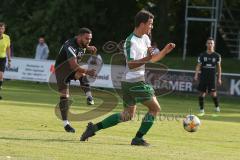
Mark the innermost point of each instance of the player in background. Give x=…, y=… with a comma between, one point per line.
x=4, y=52
x=67, y=68
x=208, y=61
x=138, y=52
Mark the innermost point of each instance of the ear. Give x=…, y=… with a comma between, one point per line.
x=141, y=24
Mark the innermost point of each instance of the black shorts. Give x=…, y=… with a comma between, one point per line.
x=63, y=76
x=2, y=64
x=205, y=86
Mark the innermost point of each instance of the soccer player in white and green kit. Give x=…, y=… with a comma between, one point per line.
x=138, y=52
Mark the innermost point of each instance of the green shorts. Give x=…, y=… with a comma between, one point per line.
x=136, y=92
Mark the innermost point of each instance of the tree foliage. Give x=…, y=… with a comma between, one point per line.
x=109, y=20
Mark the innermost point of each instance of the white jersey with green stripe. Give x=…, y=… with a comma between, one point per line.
x=135, y=48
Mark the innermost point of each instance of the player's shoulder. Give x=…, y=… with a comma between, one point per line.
x=217, y=54
x=130, y=37
x=6, y=36
x=130, y=40
x=70, y=42
x=145, y=36
x=202, y=54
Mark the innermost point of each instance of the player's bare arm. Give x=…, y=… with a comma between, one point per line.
x=167, y=49
x=197, y=70
x=79, y=70
x=150, y=57
x=8, y=51
x=137, y=63
x=219, y=79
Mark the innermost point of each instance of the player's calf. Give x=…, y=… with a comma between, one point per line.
x=64, y=108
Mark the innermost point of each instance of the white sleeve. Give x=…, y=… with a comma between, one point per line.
x=148, y=41
x=130, y=50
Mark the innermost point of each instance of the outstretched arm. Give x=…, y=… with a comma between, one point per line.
x=167, y=49
x=151, y=57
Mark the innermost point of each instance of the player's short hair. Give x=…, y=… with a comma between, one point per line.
x=42, y=36
x=84, y=30
x=142, y=17
x=2, y=24
x=210, y=39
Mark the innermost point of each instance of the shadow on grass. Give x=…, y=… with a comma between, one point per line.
x=63, y=140
x=38, y=139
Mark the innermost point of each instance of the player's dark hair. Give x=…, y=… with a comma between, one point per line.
x=2, y=24
x=84, y=30
x=42, y=36
x=142, y=17
x=210, y=38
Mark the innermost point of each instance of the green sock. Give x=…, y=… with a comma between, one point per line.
x=146, y=124
x=110, y=121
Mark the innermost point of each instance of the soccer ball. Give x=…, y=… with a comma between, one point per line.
x=191, y=123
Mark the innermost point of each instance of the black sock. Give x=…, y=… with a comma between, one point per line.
x=1, y=82
x=216, y=101
x=201, y=102
x=139, y=135
x=98, y=126
x=146, y=124
x=64, y=107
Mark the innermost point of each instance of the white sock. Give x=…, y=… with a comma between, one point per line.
x=66, y=122
x=89, y=94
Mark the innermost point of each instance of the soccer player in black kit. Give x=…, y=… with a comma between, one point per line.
x=67, y=68
x=208, y=62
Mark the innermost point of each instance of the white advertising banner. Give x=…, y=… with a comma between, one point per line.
x=110, y=77
x=29, y=70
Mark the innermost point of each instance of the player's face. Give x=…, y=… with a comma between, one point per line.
x=2, y=30
x=85, y=39
x=41, y=40
x=148, y=26
x=210, y=44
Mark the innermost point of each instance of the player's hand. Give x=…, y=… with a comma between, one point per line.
x=169, y=47
x=196, y=77
x=78, y=75
x=9, y=64
x=150, y=53
x=91, y=72
x=92, y=49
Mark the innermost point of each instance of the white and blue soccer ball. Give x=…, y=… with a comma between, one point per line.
x=191, y=123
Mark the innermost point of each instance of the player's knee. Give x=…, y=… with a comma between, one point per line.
x=213, y=94
x=155, y=110
x=158, y=110
x=127, y=116
x=202, y=95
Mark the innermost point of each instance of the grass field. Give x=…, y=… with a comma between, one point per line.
x=30, y=130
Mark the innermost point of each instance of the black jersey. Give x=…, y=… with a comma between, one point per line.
x=208, y=65
x=69, y=50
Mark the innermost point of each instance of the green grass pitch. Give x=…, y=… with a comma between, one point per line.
x=30, y=130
